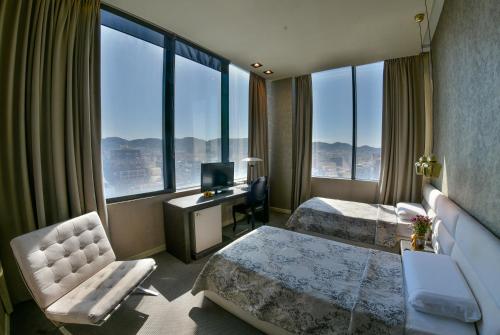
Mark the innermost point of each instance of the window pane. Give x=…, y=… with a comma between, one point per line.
x=369, y=80
x=238, y=119
x=197, y=120
x=332, y=123
x=132, y=109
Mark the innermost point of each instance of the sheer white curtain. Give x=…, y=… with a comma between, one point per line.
x=238, y=119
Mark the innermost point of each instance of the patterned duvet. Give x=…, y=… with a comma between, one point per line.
x=306, y=284
x=356, y=221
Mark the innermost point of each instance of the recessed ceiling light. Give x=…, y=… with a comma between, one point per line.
x=256, y=65
x=268, y=72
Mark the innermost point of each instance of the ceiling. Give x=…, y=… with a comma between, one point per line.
x=292, y=37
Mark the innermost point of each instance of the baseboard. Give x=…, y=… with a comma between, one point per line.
x=149, y=252
x=280, y=210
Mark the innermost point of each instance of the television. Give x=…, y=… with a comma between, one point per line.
x=217, y=176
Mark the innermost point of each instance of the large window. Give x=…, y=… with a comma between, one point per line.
x=197, y=120
x=165, y=109
x=369, y=80
x=238, y=119
x=347, y=122
x=332, y=123
x=132, y=110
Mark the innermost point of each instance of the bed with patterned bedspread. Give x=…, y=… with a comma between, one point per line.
x=368, y=223
x=307, y=284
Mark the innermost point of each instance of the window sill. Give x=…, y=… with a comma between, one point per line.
x=187, y=190
x=178, y=193
x=240, y=181
x=136, y=197
x=325, y=179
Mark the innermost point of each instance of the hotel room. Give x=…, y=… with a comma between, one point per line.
x=250, y=167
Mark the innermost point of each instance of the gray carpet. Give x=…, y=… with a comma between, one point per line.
x=174, y=311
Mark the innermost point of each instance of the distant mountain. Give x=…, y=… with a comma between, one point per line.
x=340, y=146
x=365, y=149
x=337, y=146
x=189, y=144
x=193, y=144
x=111, y=143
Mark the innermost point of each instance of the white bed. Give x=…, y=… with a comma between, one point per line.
x=475, y=250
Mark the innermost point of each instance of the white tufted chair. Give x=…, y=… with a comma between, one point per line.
x=72, y=272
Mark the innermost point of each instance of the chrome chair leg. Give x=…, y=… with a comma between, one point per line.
x=145, y=291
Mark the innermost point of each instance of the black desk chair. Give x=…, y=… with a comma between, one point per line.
x=256, y=201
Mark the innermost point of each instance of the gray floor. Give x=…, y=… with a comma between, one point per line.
x=174, y=311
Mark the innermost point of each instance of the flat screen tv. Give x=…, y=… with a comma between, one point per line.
x=217, y=176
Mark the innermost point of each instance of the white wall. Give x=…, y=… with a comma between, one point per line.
x=345, y=189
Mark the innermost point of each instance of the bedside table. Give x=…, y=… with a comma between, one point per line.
x=406, y=245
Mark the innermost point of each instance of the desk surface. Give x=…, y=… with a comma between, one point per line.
x=198, y=200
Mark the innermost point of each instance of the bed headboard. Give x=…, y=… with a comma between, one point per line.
x=475, y=249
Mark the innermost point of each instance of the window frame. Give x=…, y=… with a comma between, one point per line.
x=140, y=29
x=354, y=131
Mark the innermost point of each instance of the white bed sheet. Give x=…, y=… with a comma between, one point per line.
x=417, y=323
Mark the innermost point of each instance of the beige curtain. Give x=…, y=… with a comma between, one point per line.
x=5, y=304
x=50, y=159
x=302, y=141
x=257, y=125
x=403, y=129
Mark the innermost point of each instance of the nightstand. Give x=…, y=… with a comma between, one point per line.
x=406, y=245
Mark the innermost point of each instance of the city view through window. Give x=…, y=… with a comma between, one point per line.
x=132, y=72
x=131, y=113
x=238, y=120
x=132, y=116
x=333, y=122
x=197, y=120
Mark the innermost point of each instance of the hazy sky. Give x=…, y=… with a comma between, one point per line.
x=132, y=96
x=197, y=100
x=332, y=105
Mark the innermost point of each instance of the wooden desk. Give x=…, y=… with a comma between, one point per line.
x=177, y=218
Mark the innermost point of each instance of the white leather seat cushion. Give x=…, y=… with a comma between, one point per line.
x=93, y=299
x=442, y=240
x=57, y=258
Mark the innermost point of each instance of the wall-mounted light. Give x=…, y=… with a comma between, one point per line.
x=268, y=72
x=428, y=166
x=418, y=19
x=256, y=65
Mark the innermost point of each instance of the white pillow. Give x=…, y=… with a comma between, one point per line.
x=408, y=210
x=436, y=286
